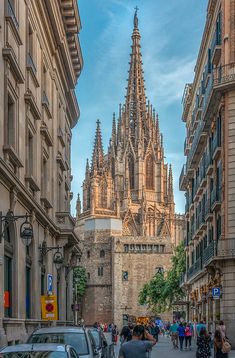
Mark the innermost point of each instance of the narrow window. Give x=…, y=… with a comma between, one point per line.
x=10, y=122
x=149, y=173
x=131, y=167
x=30, y=44
x=100, y=271
x=88, y=254
x=28, y=292
x=102, y=253
x=30, y=151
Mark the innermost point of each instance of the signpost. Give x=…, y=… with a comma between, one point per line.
x=49, y=308
x=216, y=293
x=49, y=284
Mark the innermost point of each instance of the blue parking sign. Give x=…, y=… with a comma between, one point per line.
x=216, y=292
x=49, y=283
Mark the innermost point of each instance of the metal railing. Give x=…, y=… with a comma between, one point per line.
x=215, y=195
x=216, y=142
x=209, y=252
x=224, y=74
x=216, y=41
x=11, y=13
x=196, y=139
x=194, y=269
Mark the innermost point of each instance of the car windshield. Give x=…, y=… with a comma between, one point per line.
x=76, y=340
x=96, y=336
x=43, y=354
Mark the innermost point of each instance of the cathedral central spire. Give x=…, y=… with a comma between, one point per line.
x=135, y=98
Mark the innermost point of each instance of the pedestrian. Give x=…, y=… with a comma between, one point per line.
x=219, y=345
x=114, y=334
x=181, y=334
x=203, y=344
x=199, y=326
x=141, y=343
x=174, y=334
x=222, y=329
x=154, y=330
x=125, y=335
x=188, y=336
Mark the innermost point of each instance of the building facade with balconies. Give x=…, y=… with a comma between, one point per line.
x=40, y=63
x=208, y=176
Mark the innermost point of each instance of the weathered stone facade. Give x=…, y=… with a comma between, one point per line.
x=128, y=226
x=208, y=177
x=40, y=63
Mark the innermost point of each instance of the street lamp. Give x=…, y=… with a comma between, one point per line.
x=58, y=260
x=26, y=228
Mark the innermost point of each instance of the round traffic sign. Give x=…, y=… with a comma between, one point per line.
x=49, y=307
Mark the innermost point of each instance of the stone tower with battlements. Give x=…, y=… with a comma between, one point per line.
x=128, y=226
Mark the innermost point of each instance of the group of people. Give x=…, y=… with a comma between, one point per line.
x=183, y=332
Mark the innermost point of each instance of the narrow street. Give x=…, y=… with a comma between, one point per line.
x=163, y=349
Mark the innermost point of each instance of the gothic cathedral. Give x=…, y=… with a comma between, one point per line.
x=128, y=226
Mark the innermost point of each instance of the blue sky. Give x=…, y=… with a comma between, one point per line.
x=171, y=32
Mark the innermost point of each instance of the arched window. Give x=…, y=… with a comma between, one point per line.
x=149, y=172
x=102, y=253
x=131, y=167
x=88, y=254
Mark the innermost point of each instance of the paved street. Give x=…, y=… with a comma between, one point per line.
x=164, y=349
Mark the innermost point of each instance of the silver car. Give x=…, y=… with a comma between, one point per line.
x=39, y=351
x=76, y=337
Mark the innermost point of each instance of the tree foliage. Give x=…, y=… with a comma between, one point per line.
x=80, y=280
x=163, y=289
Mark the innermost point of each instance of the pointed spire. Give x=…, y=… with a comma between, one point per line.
x=157, y=129
x=114, y=133
x=87, y=169
x=98, y=153
x=170, y=186
x=78, y=206
x=135, y=96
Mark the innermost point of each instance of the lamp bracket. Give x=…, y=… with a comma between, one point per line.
x=8, y=220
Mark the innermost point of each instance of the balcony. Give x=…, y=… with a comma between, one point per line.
x=216, y=47
x=202, y=222
x=216, y=145
x=208, y=211
x=182, y=279
x=208, y=164
x=194, y=269
x=209, y=253
x=197, y=145
x=216, y=198
x=224, y=77
x=186, y=147
x=183, y=179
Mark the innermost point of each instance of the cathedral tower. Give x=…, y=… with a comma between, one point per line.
x=128, y=204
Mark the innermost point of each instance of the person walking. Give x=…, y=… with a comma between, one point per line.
x=203, y=344
x=174, y=334
x=199, y=326
x=222, y=329
x=188, y=336
x=181, y=334
x=218, y=345
x=125, y=335
x=141, y=343
x=114, y=334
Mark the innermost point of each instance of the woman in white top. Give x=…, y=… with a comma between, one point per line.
x=222, y=329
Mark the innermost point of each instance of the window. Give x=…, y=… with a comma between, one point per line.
x=102, y=253
x=42, y=282
x=10, y=125
x=159, y=269
x=30, y=39
x=100, y=271
x=30, y=150
x=124, y=275
x=28, y=292
x=88, y=275
x=162, y=248
x=149, y=171
x=88, y=254
x=126, y=248
x=131, y=168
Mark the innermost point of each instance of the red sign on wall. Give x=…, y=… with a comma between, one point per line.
x=7, y=299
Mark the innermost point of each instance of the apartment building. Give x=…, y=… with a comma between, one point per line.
x=40, y=63
x=208, y=177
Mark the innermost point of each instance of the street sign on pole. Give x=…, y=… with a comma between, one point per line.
x=49, y=284
x=216, y=293
x=49, y=308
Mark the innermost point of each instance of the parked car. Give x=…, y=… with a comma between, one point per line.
x=77, y=337
x=39, y=350
x=104, y=347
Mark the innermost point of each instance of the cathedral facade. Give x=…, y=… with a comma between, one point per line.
x=127, y=226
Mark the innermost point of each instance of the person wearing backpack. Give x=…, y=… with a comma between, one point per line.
x=221, y=346
x=188, y=336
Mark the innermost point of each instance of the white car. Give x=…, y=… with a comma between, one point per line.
x=39, y=350
x=77, y=337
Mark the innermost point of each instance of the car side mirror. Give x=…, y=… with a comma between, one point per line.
x=96, y=352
